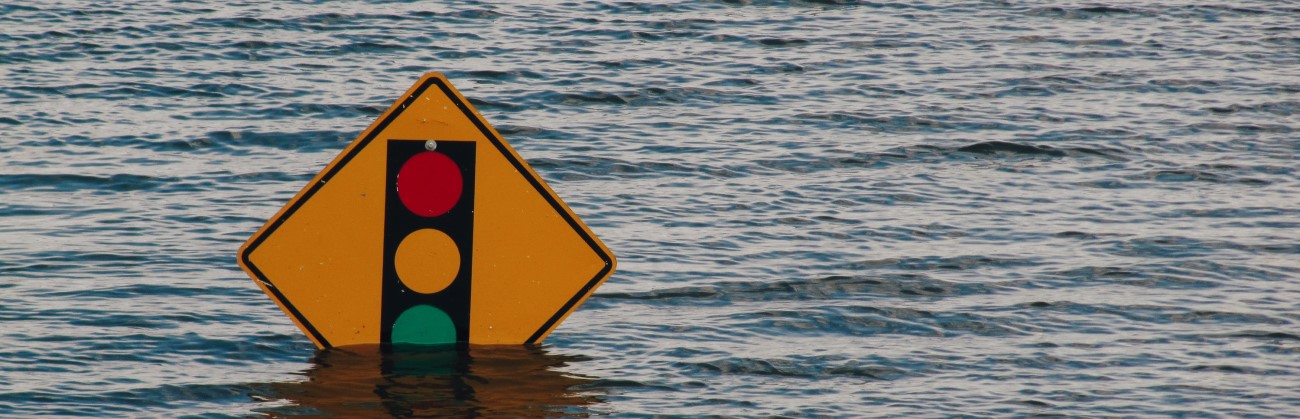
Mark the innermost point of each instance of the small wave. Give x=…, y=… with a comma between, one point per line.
x=996, y=148
x=652, y=96
x=316, y=110
x=303, y=141
x=366, y=47
x=1283, y=40
x=1164, y=247
x=1240, y=369
x=472, y=14
x=502, y=75
x=883, y=123
x=133, y=290
x=922, y=154
x=136, y=90
x=1229, y=9
x=1196, y=175
x=1262, y=335
x=73, y=182
x=803, y=368
x=605, y=168
x=1244, y=128
x=819, y=288
x=781, y=42
x=1158, y=314
x=993, y=147
x=1090, y=12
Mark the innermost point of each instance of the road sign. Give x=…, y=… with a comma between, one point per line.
x=427, y=229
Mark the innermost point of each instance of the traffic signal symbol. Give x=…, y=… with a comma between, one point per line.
x=429, y=183
x=428, y=242
x=427, y=260
x=357, y=257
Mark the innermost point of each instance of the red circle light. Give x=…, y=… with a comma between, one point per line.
x=429, y=184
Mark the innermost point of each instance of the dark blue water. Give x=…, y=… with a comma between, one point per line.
x=819, y=208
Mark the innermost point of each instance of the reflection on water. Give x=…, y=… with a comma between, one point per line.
x=364, y=381
x=836, y=208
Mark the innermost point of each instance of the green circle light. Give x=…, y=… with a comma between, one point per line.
x=423, y=325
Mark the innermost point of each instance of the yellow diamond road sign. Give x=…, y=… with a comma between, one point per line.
x=428, y=229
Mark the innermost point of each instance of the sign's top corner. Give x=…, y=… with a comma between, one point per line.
x=433, y=75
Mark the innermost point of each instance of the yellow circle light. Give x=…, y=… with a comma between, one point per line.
x=427, y=261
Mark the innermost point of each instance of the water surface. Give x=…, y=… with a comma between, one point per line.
x=819, y=208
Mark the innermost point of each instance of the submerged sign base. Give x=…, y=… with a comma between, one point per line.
x=427, y=229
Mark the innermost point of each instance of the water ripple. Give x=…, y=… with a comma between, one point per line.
x=820, y=208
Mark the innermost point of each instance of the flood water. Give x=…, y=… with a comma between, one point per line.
x=819, y=208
